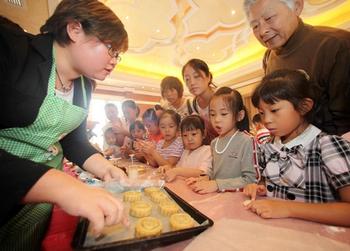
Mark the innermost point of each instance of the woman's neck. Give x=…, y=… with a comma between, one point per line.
x=203, y=100
x=178, y=103
x=63, y=64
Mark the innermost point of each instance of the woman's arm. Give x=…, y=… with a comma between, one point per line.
x=76, y=198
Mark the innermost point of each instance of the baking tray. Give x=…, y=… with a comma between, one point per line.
x=146, y=243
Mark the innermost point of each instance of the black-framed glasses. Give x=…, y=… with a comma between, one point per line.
x=113, y=53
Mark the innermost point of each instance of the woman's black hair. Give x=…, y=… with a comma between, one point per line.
x=199, y=65
x=234, y=102
x=293, y=86
x=174, y=116
x=192, y=122
x=95, y=18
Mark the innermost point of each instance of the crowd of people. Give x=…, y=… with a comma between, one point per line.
x=299, y=152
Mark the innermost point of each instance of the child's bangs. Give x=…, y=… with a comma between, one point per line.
x=188, y=127
x=270, y=93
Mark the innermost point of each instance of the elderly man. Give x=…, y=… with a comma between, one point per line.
x=322, y=52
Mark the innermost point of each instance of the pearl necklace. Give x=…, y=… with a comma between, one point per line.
x=63, y=87
x=228, y=143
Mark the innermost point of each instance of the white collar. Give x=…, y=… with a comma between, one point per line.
x=305, y=138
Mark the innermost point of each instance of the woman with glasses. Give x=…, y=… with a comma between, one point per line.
x=46, y=83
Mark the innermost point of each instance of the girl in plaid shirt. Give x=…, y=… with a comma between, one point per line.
x=305, y=167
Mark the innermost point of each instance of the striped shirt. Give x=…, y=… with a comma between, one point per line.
x=263, y=136
x=175, y=149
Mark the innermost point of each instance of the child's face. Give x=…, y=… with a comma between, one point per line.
x=168, y=128
x=281, y=119
x=221, y=117
x=171, y=95
x=192, y=139
x=197, y=82
x=110, y=138
x=151, y=126
x=138, y=133
x=130, y=114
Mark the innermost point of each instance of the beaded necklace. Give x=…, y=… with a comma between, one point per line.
x=228, y=143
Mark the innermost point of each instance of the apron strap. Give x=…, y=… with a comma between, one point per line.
x=82, y=81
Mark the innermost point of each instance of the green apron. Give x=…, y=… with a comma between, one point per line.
x=39, y=142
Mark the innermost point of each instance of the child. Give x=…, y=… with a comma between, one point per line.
x=131, y=112
x=151, y=122
x=115, y=123
x=307, y=168
x=172, y=91
x=196, y=160
x=112, y=149
x=233, y=160
x=262, y=135
x=168, y=150
x=137, y=132
x=199, y=81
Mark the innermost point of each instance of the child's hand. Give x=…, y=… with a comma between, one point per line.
x=164, y=169
x=252, y=190
x=190, y=181
x=171, y=175
x=203, y=187
x=270, y=208
x=147, y=147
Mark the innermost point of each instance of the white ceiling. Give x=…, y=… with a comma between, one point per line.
x=165, y=34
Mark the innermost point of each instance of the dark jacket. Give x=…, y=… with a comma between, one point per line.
x=324, y=54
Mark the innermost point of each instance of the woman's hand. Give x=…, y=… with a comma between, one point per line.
x=108, y=152
x=203, y=187
x=252, y=190
x=100, y=207
x=97, y=205
x=114, y=173
x=103, y=169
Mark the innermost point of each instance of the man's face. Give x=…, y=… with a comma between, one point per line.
x=273, y=22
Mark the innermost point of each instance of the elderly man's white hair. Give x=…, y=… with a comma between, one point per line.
x=247, y=3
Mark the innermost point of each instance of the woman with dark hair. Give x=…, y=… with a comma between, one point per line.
x=46, y=88
x=199, y=81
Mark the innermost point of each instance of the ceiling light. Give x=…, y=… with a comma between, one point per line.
x=127, y=17
x=157, y=30
x=233, y=12
x=197, y=48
